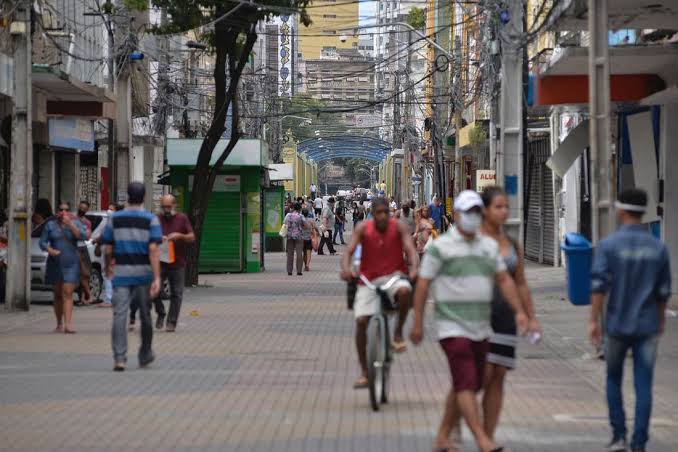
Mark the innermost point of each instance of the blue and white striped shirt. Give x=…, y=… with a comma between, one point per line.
x=130, y=232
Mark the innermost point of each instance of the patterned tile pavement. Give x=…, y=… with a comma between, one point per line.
x=265, y=362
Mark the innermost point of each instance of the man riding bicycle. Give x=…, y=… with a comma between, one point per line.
x=384, y=242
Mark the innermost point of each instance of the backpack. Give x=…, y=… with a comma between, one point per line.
x=294, y=226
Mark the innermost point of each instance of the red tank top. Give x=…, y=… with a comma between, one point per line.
x=382, y=253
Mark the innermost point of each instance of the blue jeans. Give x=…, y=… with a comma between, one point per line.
x=338, y=230
x=123, y=296
x=644, y=357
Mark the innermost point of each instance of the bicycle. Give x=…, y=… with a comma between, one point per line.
x=379, y=353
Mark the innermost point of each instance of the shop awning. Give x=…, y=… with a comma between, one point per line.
x=572, y=15
x=247, y=152
x=571, y=148
x=281, y=171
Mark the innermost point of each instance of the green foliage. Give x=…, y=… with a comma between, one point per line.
x=187, y=15
x=417, y=18
x=139, y=5
x=477, y=135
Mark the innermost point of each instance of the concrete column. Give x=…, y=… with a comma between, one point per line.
x=669, y=138
x=510, y=153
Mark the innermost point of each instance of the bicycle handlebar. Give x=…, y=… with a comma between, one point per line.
x=386, y=286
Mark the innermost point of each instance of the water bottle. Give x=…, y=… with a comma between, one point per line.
x=534, y=337
x=357, y=255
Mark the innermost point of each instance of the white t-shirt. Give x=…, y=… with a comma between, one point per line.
x=393, y=205
x=318, y=203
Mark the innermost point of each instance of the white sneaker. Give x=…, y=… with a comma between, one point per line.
x=618, y=445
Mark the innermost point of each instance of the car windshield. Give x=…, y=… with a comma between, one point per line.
x=95, y=220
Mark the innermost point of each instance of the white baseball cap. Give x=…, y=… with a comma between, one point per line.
x=466, y=200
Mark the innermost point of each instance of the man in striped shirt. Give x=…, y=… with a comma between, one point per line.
x=461, y=268
x=132, y=237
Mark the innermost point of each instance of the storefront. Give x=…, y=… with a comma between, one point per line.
x=232, y=235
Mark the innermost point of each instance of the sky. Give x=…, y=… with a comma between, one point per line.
x=368, y=10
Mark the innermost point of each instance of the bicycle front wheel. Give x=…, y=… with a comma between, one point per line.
x=376, y=357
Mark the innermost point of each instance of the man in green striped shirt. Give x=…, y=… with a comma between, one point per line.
x=461, y=268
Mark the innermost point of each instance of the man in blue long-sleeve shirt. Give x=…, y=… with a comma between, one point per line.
x=633, y=268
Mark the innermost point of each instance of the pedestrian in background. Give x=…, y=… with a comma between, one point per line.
x=310, y=233
x=314, y=190
x=133, y=237
x=295, y=239
x=632, y=267
x=504, y=340
x=318, y=206
x=461, y=267
x=178, y=233
x=436, y=212
x=406, y=216
x=84, y=292
x=339, y=222
x=327, y=221
x=60, y=238
x=97, y=238
x=423, y=232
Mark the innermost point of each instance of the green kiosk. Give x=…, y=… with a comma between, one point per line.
x=232, y=234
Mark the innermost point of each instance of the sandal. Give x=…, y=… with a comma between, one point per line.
x=361, y=383
x=69, y=331
x=399, y=346
x=59, y=329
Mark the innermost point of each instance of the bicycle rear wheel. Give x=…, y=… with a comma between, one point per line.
x=388, y=359
x=375, y=359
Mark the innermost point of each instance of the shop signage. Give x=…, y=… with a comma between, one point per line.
x=71, y=133
x=484, y=179
x=224, y=183
x=285, y=78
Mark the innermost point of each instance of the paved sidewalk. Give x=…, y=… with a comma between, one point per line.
x=266, y=363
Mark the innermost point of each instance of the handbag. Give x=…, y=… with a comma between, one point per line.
x=283, y=230
x=315, y=243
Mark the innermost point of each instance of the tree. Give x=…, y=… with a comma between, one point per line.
x=231, y=41
x=417, y=18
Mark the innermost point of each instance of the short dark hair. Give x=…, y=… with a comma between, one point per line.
x=379, y=202
x=297, y=206
x=84, y=201
x=304, y=212
x=634, y=197
x=331, y=200
x=490, y=193
x=65, y=202
x=136, y=192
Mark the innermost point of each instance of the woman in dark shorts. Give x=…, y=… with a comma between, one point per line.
x=502, y=353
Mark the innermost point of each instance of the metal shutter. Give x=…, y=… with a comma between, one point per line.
x=221, y=247
x=540, y=212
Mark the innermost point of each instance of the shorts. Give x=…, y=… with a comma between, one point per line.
x=366, y=299
x=308, y=245
x=504, y=340
x=466, y=359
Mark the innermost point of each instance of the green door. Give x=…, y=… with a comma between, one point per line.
x=221, y=247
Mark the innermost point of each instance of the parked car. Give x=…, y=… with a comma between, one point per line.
x=39, y=258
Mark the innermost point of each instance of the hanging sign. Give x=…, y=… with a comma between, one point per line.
x=484, y=179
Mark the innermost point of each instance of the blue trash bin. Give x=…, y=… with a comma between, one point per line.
x=578, y=252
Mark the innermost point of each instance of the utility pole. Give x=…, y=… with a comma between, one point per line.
x=510, y=154
x=599, y=106
x=112, y=173
x=18, y=289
